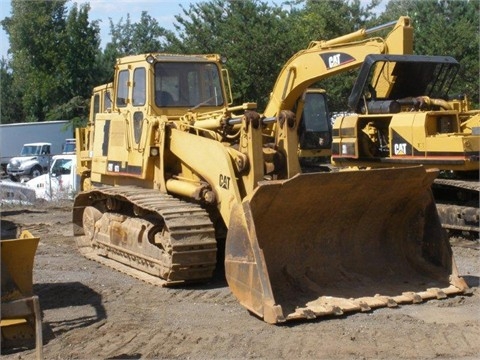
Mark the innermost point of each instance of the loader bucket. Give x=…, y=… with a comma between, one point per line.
x=331, y=243
x=20, y=321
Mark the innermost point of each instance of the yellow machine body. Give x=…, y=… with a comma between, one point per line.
x=415, y=122
x=21, y=320
x=172, y=171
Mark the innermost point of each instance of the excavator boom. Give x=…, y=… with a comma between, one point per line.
x=323, y=59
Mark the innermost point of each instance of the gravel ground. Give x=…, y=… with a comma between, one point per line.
x=93, y=312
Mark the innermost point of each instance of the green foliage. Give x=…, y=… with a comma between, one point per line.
x=324, y=20
x=10, y=100
x=34, y=36
x=55, y=58
x=254, y=37
x=52, y=55
x=82, y=43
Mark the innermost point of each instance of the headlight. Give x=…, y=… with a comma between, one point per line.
x=154, y=151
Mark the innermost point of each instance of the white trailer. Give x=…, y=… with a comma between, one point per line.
x=13, y=136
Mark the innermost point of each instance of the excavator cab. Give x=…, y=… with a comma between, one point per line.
x=404, y=116
x=388, y=83
x=315, y=128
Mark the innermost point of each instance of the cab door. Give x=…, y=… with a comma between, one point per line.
x=137, y=122
x=315, y=128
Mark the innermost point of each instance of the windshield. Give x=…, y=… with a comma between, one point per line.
x=315, y=113
x=69, y=147
x=188, y=84
x=31, y=150
x=62, y=167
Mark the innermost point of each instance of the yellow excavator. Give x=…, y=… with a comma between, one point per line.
x=172, y=171
x=402, y=115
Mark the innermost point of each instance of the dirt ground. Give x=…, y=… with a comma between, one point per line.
x=93, y=312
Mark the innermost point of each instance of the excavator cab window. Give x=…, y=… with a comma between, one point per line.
x=315, y=126
x=107, y=101
x=96, y=104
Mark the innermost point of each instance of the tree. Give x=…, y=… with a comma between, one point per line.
x=324, y=20
x=82, y=47
x=254, y=37
x=134, y=38
x=33, y=42
x=80, y=69
x=51, y=54
x=10, y=100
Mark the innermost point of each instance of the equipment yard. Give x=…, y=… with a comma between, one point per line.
x=93, y=312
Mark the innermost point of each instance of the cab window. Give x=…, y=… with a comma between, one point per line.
x=139, y=87
x=122, y=91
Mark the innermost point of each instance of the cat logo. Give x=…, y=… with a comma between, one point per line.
x=224, y=181
x=400, y=149
x=333, y=61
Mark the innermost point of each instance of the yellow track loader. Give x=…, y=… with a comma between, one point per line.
x=172, y=170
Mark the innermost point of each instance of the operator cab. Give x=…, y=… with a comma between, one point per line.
x=388, y=84
x=314, y=129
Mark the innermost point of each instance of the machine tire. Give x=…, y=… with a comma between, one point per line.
x=36, y=171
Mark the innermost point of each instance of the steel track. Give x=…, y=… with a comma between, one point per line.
x=190, y=254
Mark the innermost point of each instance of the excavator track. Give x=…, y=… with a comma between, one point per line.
x=457, y=204
x=146, y=234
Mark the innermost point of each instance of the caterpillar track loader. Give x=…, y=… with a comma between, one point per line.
x=172, y=171
x=403, y=115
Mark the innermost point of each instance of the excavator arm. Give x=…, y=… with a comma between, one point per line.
x=323, y=59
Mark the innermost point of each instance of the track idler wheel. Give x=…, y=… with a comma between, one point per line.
x=90, y=217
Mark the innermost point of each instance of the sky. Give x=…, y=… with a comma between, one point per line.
x=163, y=11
